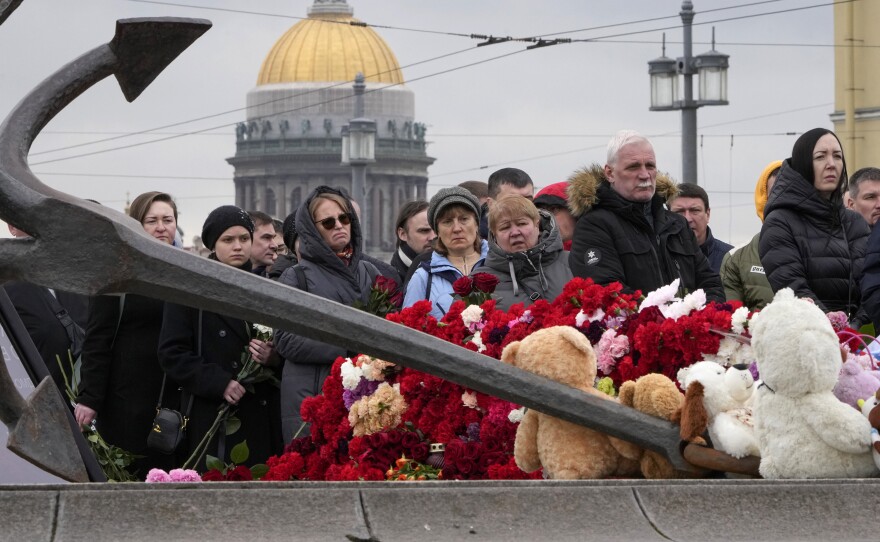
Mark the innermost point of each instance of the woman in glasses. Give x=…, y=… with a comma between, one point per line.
x=330, y=266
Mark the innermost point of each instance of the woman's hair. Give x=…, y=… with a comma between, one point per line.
x=513, y=206
x=802, y=160
x=450, y=211
x=141, y=205
x=339, y=200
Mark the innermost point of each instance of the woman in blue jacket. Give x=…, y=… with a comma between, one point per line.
x=454, y=214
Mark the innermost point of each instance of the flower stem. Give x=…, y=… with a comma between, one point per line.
x=202, y=447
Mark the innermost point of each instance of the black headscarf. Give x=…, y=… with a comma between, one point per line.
x=802, y=160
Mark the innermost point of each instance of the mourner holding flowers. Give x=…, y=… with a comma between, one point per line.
x=454, y=214
x=202, y=351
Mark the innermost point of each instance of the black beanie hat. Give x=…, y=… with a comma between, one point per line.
x=220, y=220
x=288, y=231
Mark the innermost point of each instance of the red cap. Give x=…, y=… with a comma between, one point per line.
x=553, y=195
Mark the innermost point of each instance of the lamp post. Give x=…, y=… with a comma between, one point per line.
x=710, y=67
x=359, y=149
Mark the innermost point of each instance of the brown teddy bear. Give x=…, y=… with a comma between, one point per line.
x=658, y=396
x=566, y=451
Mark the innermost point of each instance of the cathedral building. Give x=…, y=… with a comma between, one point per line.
x=291, y=141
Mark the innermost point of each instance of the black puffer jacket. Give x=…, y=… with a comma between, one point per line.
x=307, y=362
x=813, y=246
x=538, y=273
x=613, y=241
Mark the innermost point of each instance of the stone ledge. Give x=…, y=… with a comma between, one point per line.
x=699, y=510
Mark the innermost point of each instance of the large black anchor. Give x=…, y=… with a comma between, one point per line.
x=121, y=257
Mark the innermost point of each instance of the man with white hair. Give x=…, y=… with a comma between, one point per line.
x=624, y=231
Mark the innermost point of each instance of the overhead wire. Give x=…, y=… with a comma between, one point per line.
x=346, y=83
x=367, y=91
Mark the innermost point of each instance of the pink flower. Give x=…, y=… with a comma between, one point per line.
x=158, y=476
x=181, y=475
x=610, y=348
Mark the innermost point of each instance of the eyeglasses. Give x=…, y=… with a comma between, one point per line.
x=330, y=222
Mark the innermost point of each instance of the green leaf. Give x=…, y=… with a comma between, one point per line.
x=239, y=453
x=213, y=463
x=233, y=424
x=259, y=470
x=93, y=438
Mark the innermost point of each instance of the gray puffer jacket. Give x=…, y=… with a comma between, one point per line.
x=307, y=362
x=538, y=273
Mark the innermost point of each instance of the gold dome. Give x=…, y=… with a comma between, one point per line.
x=316, y=50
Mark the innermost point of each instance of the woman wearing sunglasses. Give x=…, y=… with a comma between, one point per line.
x=331, y=266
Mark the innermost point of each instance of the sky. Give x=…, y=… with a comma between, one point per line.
x=548, y=111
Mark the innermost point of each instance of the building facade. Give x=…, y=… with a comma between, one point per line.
x=291, y=141
x=856, y=114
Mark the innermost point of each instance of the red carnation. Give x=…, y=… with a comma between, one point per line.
x=213, y=475
x=239, y=474
x=463, y=286
x=485, y=282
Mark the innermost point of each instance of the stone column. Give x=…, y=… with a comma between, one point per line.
x=248, y=194
x=260, y=203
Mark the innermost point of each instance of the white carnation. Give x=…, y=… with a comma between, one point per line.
x=661, y=296
x=351, y=375
x=471, y=315
x=477, y=340
x=516, y=415
x=739, y=319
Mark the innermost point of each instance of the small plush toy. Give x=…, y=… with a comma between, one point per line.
x=854, y=383
x=802, y=429
x=717, y=399
x=565, y=450
x=871, y=409
x=658, y=396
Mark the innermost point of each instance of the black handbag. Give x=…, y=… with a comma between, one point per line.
x=169, y=428
x=169, y=425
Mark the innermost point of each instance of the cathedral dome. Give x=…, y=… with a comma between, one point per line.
x=325, y=48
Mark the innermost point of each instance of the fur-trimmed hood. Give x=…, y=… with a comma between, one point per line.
x=583, y=186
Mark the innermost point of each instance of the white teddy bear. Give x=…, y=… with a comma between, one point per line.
x=803, y=430
x=717, y=399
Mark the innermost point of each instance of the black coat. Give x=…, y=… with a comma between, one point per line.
x=813, y=246
x=614, y=242
x=121, y=376
x=207, y=375
x=402, y=254
x=715, y=250
x=32, y=303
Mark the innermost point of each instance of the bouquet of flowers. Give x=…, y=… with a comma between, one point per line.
x=250, y=373
x=385, y=298
x=476, y=289
x=114, y=460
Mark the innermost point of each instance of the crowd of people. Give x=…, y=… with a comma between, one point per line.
x=620, y=222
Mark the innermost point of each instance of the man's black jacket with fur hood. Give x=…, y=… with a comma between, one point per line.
x=614, y=242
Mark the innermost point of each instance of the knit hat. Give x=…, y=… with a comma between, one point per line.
x=453, y=195
x=220, y=220
x=553, y=195
x=288, y=231
x=761, y=194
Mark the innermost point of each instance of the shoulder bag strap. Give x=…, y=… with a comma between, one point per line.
x=75, y=334
x=189, y=403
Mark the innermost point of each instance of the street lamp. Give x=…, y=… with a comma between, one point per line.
x=359, y=149
x=710, y=67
